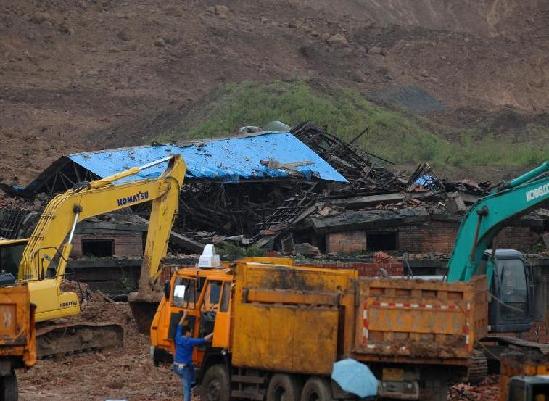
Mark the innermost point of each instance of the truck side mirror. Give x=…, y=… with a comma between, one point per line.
x=167, y=289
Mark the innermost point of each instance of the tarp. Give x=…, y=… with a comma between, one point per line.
x=229, y=160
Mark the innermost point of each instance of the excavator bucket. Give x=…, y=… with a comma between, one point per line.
x=143, y=313
x=143, y=305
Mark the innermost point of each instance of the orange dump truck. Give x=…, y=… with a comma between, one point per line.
x=278, y=330
x=17, y=337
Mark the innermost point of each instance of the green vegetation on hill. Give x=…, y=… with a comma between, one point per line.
x=392, y=134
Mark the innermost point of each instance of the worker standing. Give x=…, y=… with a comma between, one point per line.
x=183, y=364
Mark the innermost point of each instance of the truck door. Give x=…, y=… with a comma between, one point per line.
x=185, y=295
x=215, y=312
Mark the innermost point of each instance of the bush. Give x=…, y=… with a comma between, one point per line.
x=392, y=134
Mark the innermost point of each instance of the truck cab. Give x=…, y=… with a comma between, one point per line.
x=205, y=295
x=511, y=304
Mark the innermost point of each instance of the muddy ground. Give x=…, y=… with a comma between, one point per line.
x=117, y=374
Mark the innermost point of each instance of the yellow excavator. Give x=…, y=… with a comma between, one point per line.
x=44, y=258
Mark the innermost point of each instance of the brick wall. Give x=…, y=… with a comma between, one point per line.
x=435, y=236
x=393, y=267
x=346, y=242
x=520, y=238
x=126, y=244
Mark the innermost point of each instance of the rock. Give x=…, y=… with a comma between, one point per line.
x=171, y=41
x=424, y=74
x=292, y=25
x=160, y=42
x=376, y=50
x=221, y=11
x=337, y=39
x=40, y=17
x=66, y=29
x=123, y=35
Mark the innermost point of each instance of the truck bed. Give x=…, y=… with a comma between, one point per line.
x=303, y=319
x=419, y=320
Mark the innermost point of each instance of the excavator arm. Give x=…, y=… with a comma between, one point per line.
x=45, y=257
x=489, y=215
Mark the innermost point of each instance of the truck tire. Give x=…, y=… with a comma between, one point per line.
x=8, y=388
x=215, y=385
x=316, y=389
x=434, y=390
x=283, y=387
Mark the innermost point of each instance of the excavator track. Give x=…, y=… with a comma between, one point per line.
x=69, y=338
x=478, y=367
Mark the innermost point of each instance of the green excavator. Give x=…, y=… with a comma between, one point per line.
x=509, y=277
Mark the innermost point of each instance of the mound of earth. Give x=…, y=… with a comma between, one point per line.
x=83, y=75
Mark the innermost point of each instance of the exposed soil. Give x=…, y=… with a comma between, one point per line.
x=82, y=75
x=121, y=374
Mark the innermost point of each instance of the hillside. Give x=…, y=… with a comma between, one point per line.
x=82, y=75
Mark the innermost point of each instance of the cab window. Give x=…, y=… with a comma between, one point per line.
x=212, y=296
x=184, y=292
x=226, y=297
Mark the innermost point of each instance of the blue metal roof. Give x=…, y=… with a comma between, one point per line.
x=229, y=160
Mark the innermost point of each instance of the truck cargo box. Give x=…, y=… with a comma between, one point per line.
x=17, y=330
x=414, y=319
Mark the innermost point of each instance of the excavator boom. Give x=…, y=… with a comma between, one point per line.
x=489, y=215
x=44, y=259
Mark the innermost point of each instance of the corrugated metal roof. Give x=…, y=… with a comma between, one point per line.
x=229, y=160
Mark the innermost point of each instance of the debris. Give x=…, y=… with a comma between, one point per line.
x=306, y=249
x=277, y=204
x=455, y=203
x=337, y=39
x=219, y=10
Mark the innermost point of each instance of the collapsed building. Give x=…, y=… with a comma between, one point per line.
x=303, y=192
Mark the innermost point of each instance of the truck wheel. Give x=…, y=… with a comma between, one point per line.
x=215, y=384
x=283, y=387
x=434, y=390
x=8, y=388
x=316, y=389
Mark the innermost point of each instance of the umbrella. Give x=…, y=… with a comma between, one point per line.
x=355, y=377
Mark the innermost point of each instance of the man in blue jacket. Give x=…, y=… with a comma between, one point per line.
x=183, y=363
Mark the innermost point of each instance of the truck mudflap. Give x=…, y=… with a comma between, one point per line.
x=420, y=320
x=71, y=338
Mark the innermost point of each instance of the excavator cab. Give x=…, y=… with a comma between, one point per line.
x=511, y=304
x=10, y=255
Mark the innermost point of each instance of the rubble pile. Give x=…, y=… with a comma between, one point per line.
x=487, y=390
x=366, y=172
x=278, y=214
x=275, y=215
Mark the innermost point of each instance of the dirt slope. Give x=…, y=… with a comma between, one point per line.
x=82, y=75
